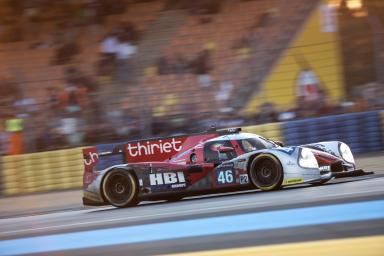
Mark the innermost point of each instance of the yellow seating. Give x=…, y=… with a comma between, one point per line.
x=43, y=171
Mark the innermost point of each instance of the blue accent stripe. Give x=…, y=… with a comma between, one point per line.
x=358, y=211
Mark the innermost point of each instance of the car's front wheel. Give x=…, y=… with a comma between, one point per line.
x=120, y=188
x=266, y=172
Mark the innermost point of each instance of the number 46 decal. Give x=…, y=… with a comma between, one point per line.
x=225, y=177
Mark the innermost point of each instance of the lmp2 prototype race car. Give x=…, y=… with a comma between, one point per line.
x=171, y=168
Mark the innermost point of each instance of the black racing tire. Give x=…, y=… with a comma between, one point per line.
x=120, y=188
x=266, y=172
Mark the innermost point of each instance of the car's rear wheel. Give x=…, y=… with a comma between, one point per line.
x=120, y=188
x=266, y=172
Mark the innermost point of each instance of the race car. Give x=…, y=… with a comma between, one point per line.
x=171, y=168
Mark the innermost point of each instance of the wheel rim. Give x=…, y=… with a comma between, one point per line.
x=266, y=174
x=119, y=188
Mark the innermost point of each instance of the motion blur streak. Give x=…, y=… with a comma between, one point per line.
x=368, y=246
x=327, y=214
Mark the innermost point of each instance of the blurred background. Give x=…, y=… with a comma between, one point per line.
x=75, y=73
x=84, y=72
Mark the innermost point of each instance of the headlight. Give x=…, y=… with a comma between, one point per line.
x=346, y=153
x=307, y=159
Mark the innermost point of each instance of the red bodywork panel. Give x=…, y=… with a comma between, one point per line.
x=160, y=150
x=324, y=158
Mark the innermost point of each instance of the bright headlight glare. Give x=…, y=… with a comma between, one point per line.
x=307, y=159
x=346, y=153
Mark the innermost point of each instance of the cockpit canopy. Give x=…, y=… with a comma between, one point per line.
x=244, y=142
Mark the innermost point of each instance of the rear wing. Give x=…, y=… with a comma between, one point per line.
x=148, y=150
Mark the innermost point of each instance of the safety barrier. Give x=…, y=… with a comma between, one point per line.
x=62, y=169
x=361, y=131
x=45, y=171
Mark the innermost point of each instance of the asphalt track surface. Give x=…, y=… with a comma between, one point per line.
x=331, y=202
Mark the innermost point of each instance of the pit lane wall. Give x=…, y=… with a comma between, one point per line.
x=62, y=169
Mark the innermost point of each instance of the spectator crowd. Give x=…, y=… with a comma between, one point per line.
x=78, y=112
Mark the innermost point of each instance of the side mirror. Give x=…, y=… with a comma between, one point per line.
x=193, y=158
x=223, y=149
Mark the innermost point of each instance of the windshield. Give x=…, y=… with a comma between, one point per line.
x=269, y=143
x=252, y=144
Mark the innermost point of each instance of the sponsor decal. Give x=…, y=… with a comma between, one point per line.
x=165, y=178
x=153, y=147
x=244, y=179
x=233, y=130
x=226, y=165
x=287, y=150
x=161, y=149
x=325, y=168
x=240, y=164
x=225, y=173
x=90, y=158
x=225, y=176
x=290, y=163
x=180, y=185
x=293, y=181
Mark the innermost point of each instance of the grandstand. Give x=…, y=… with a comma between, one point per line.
x=194, y=62
x=222, y=32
